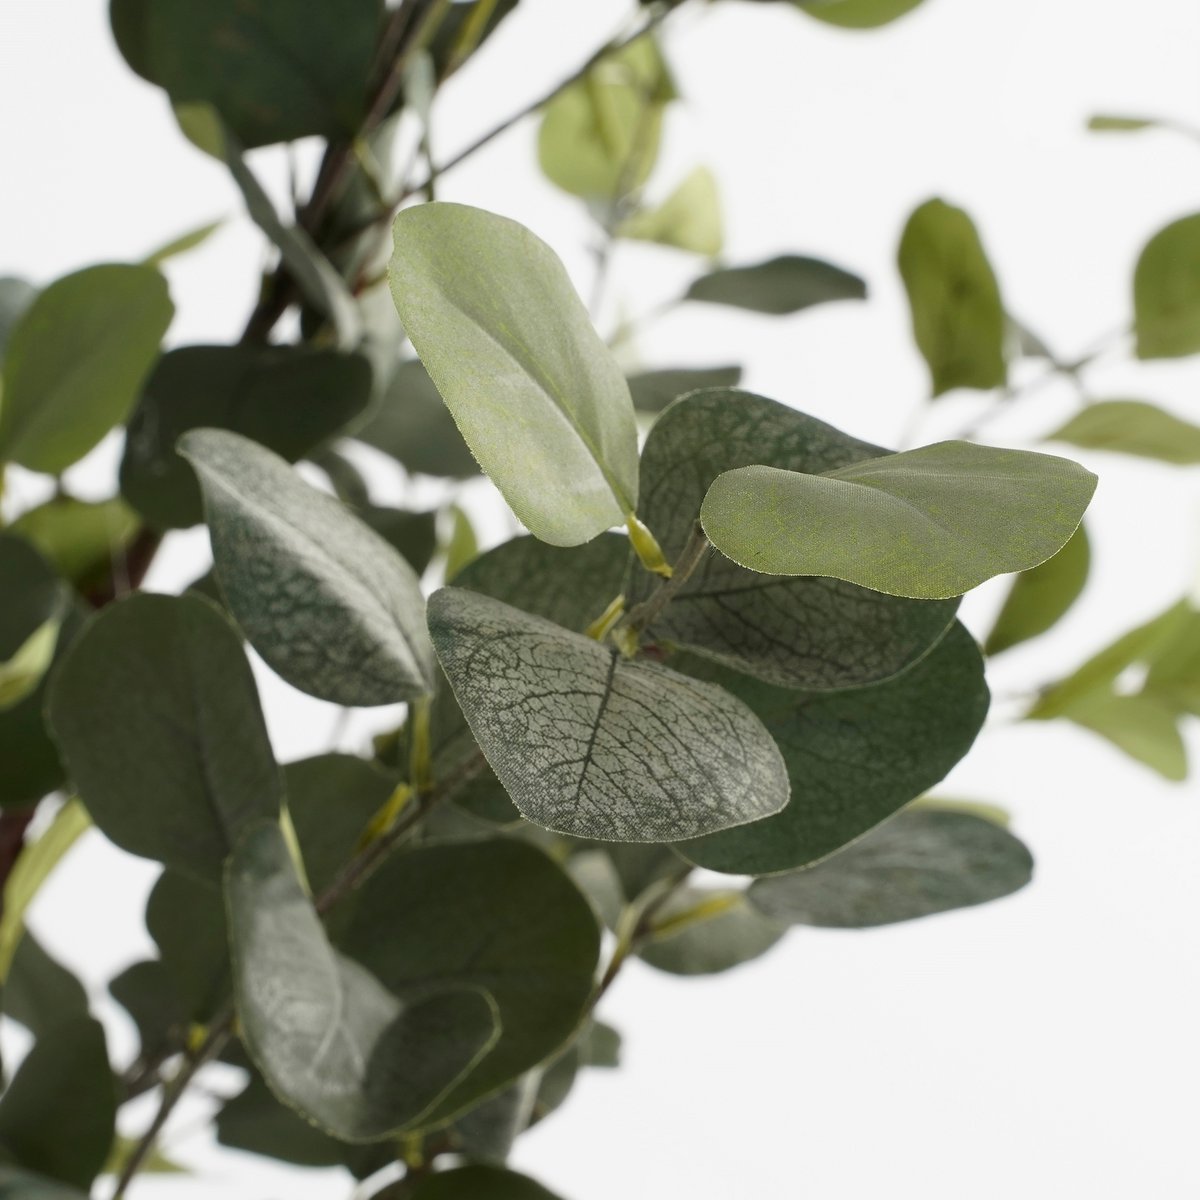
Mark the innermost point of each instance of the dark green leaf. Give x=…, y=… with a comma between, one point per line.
x=921, y=862
x=258, y=1123
x=778, y=286
x=1039, y=597
x=538, y=396
x=40, y=992
x=1133, y=427
x=412, y=534
x=857, y=14
x=957, y=315
x=815, y=633
x=329, y=1038
x=57, y=406
x=486, y=1133
x=479, y=1183
x=599, y=137
x=290, y=399
x=16, y=295
x=275, y=70
x=83, y=540
x=589, y=744
x=187, y=922
x=56, y=1118
x=1166, y=292
x=145, y=991
x=413, y=425
x=157, y=715
x=327, y=602
x=700, y=931
x=926, y=523
x=35, y=600
x=854, y=757
x=431, y=917
x=652, y=391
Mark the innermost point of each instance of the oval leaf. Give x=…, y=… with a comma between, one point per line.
x=538, y=396
x=589, y=744
x=811, y=633
x=857, y=14
x=921, y=862
x=652, y=391
x=492, y=915
x=957, y=315
x=778, y=286
x=854, y=757
x=329, y=1038
x=58, y=405
x=927, y=523
x=158, y=719
x=1133, y=427
x=700, y=931
x=1166, y=292
x=324, y=599
x=688, y=219
x=480, y=1183
x=290, y=399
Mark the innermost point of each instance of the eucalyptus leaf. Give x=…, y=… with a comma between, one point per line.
x=82, y=539
x=21, y=674
x=186, y=919
x=927, y=523
x=1166, y=292
x=1173, y=676
x=479, y=1182
x=58, y=406
x=778, y=286
x=854, y=757
x=39, y=992
x=184, y=243
x=275, y=71
x=414, y=426
x=1108, y=123
x=538, y=396
x=496, y=915
x=589, y=744
x=291, y=399
x=16, y=295
x=57, y=1116
x=486, y=1133
x=157, y=715
x=652, y=391
x=462, y=546
x=812, y=633
x=412, y=534
x=145, y=991
x=1041, y=596
x=688, y=219
x=327, y=602
x=599, y=136
x=1143, y=726
x=919, y=863
x=329, y=1038
x=857, y=14
x=1133, y=427
x=957, y=315
x=703, y=931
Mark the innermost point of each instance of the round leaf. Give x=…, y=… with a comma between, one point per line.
x=1166, y=292
x=480, y=1183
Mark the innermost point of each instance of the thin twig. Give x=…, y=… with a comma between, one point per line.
x=642, y=616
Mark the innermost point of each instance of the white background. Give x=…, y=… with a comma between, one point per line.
x=1042, y=1047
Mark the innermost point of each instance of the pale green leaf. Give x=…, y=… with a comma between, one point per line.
x=1041, y=596
x=857, y=14
x=1174, y=672
x=778, y=286
x=702, y=931
x=193, y=239
x=926, y=523
x=157, y=715
x=854, y=757
x=83, y=540
x=496, y=915
x=1166, y=292
x=814, y=633
x=589, y=744
x=21, y=673
x=957, y=316
x=538, y=396
x=688, y=219
x=599, y=137
x=57, y=404
x=1133, y=427
x=919, y=863
x=325, y=600
x=329, y=1038
x=1109, y=123
x=462, y=546
x=1144, y=726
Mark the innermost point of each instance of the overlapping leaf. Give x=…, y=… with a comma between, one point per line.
x=652, y=391
x=325, y=600
x=157, y=715
x=80, y=538
x=703, y=931
x=928, y=523
x=538, y=396
x=329, y=1038
x=854, y=757
x=814, y=633
x=290, y=399
x=58, y=405
x=921, y=862
x=587, y=743
x=497, y=915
